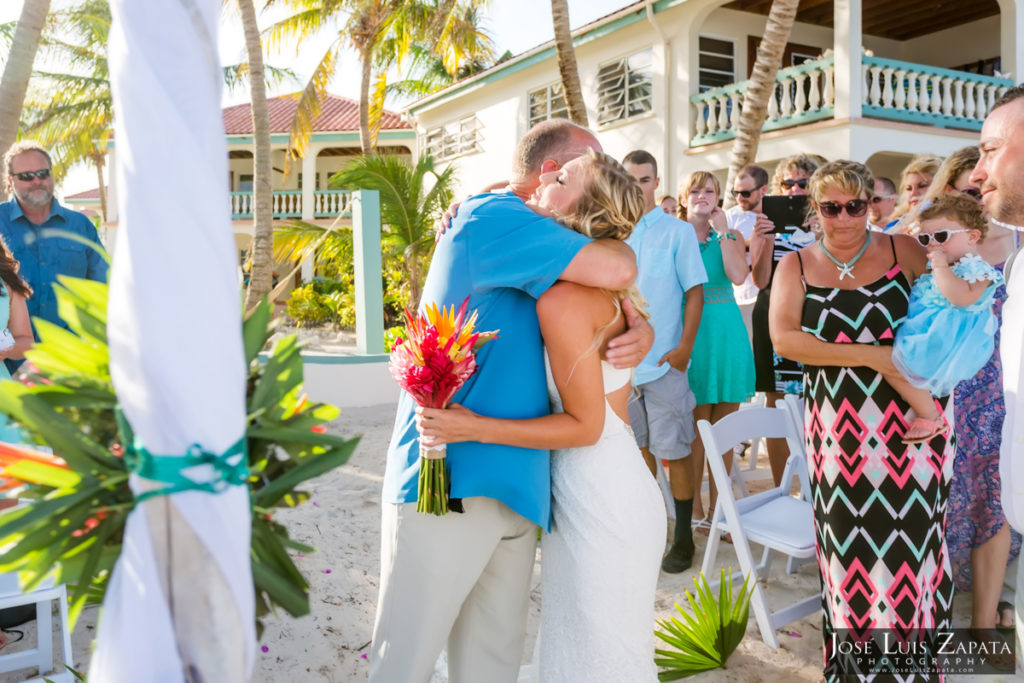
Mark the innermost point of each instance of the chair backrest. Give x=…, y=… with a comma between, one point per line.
x=754, y=423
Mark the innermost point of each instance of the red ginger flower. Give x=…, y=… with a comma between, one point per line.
x=438, y=356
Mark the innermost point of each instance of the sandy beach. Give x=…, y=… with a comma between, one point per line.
x=342, y=521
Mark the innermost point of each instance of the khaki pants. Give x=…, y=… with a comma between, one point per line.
x=462, y=577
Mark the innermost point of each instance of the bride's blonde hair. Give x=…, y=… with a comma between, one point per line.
x=611, y=206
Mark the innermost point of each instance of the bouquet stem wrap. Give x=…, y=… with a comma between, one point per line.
x=431, y=363
x=433, y=482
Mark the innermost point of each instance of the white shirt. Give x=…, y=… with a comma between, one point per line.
x=743, y=222
x=1011, y=455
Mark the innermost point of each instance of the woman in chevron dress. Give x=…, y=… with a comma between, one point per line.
x=878, y=503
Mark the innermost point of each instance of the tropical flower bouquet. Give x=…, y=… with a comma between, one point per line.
x=432, y=363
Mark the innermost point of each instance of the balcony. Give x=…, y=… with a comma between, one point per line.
x=893, y=90
x=288, y=204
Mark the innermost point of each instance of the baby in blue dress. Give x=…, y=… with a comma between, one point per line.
x=947, y=336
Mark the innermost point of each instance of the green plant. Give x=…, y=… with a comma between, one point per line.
x=75, y=525
x=306, y=307
x=704, y=640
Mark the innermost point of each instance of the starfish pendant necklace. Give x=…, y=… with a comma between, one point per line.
x=845, y=268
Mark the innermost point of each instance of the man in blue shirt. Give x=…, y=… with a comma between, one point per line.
x=671, y=274
x=24, y=224
x=464, y=578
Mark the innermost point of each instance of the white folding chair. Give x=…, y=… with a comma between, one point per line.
x=749, y=471
x=41, y=656
x=772, y=518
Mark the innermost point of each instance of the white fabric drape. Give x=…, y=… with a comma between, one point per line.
x=1011, y=456
x=177, y=359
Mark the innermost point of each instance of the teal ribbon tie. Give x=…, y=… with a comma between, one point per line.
x=167, y=469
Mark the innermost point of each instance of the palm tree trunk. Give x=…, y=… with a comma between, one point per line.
x=14, y=83
x=762, y=84
x=365, y=142
x=99, y=161
x=567, y=63
x=262, y=275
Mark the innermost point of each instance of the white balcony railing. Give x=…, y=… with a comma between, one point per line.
x=288, y=204
x=917, y=93
x=805, y=93
x=893, y=90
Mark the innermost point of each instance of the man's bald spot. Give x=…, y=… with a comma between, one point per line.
x=559, y=140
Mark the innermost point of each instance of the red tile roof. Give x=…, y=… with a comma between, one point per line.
x=94, y=193
x=336, y=114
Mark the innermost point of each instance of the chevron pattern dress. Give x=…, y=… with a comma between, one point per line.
x=878, y=503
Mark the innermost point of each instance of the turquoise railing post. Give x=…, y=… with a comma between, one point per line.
x=369, y=272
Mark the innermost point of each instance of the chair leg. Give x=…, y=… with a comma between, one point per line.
x=711, y=550
x=666, y=490
x=65, y=630
x=44, y=636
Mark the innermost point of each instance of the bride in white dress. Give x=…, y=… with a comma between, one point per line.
x=600, y=563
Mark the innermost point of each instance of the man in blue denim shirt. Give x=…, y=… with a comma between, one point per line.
x=25, y=221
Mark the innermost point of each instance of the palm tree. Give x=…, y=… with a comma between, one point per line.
x=18, y=70
x=261, y=278
x=71, y=113
x=762, y=83
x=409, y=210
x=382, y=32
x=567, y=63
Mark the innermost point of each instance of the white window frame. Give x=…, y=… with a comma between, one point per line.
x=616, y=87
x=454, y=139
x=549, y=98
x=725, y=39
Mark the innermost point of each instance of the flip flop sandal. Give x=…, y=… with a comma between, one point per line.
x=702, y=525
x=1002, y=607
x=932, y=429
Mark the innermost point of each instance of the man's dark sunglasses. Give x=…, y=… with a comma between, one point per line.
x=972, y=192
x=878, y=199
x=855, y=208
x=746, y=193
x=26, y=176
x=788, y=184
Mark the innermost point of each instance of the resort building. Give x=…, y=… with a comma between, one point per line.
x=876, y=82
x=301, y=188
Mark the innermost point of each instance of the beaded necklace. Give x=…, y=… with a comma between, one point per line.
x=844, y=268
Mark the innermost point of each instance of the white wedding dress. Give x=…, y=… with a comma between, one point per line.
x=600, y=562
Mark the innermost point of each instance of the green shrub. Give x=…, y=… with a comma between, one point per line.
x=306, y=307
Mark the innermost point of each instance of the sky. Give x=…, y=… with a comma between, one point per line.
x=515, y=25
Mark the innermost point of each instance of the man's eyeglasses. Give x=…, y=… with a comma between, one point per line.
x=855, y=208
x=746, y=193
x=26, y=176
x=878, y=199
x=972, y=192
x=940, y=236
x=788, y=184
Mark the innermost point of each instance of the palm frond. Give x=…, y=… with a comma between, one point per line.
x=309, y=105
x=705, y=639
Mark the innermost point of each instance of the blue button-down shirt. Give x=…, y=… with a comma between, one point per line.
x=44, y=257
x=669, y=263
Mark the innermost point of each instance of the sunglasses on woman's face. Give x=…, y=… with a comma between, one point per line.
x=940, y=236
x=855, y=208
x=788, y=184
x=746, y=193
x=26, y=176
x=972, y=192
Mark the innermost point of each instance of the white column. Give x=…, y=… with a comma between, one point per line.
x=308, y=188
x=1011, y=37
x=308, y=181
x=849, y=77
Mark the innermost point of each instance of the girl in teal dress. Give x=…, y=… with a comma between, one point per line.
x=721, y=370
x=948, y=334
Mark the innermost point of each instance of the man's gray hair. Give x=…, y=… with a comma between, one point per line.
x=17, y=149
